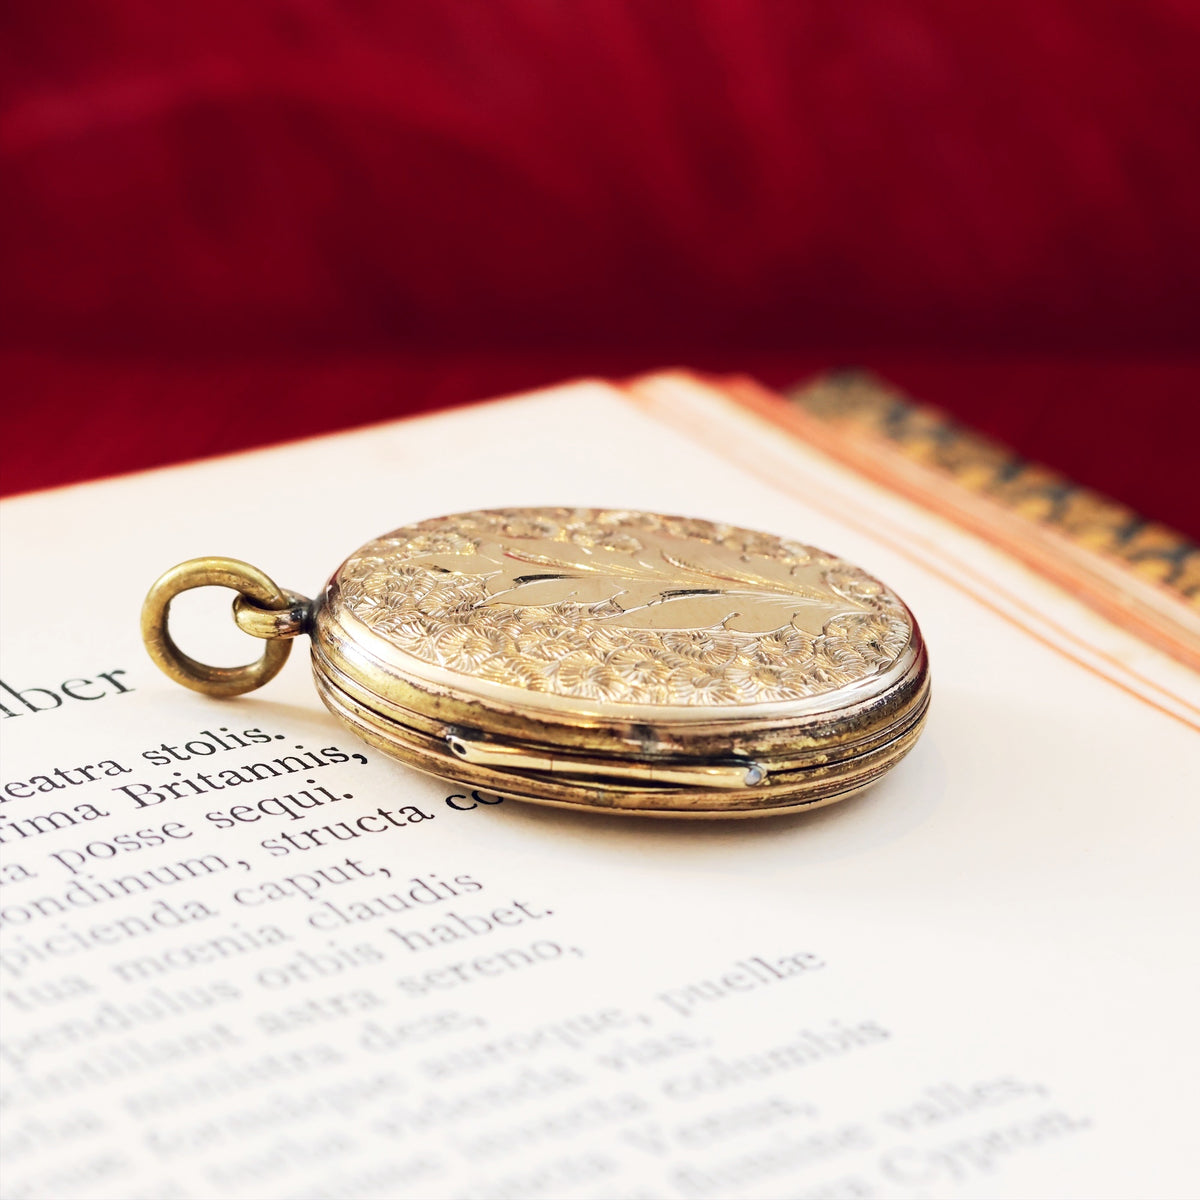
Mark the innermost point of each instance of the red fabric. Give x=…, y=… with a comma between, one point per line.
x=343, y=211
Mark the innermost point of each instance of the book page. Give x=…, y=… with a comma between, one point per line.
x=977, y=979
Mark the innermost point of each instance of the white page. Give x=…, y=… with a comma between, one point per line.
x=976, y=980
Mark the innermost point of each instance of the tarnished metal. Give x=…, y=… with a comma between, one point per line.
x=261, y=622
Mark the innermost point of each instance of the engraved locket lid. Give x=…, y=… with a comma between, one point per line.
x=621, y=659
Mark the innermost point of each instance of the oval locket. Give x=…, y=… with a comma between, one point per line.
x=594, y=658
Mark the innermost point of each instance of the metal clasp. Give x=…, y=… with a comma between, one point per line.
x=713, y=775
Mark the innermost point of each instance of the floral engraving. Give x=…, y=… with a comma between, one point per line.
x=625, y=607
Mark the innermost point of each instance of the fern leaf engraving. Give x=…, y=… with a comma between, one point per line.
x=657, y=586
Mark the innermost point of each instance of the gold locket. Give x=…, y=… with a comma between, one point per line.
x=594, y=658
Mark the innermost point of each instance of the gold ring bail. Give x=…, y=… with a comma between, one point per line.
x=262, y=609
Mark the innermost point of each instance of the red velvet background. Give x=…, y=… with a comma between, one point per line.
x=222, y=223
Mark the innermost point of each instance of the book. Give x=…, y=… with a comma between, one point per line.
x=976, y=979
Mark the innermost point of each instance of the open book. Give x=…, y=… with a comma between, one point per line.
x=977, y=979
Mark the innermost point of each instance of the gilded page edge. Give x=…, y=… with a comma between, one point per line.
x=1139, y=575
